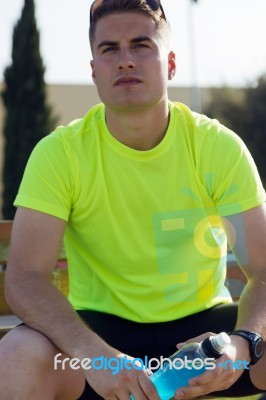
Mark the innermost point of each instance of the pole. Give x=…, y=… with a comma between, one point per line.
x=195, y=90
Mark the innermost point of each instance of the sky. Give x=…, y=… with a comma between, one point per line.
x=217, y=42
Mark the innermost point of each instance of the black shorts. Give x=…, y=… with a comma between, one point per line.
x=159, y=339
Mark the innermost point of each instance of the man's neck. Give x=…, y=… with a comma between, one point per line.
x=142, y=129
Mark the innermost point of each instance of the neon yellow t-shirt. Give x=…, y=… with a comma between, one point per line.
x=143, y=238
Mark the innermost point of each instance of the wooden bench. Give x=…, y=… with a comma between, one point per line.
x=235, y=277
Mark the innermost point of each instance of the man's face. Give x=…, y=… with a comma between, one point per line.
x=131, y=63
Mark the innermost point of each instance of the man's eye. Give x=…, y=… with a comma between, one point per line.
x=109, y=49
x=141, y=45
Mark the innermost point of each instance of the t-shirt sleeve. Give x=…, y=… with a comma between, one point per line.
x=234, y=184
x=46, y=184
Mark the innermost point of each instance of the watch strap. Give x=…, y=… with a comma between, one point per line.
x=252, y=338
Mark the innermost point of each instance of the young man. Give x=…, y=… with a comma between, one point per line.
x=143, y=190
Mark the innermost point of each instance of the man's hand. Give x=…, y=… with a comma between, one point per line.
x=120, y=383
x=223, y=376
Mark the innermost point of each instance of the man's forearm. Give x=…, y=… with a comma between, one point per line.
x=252, y=305
x=43, y=307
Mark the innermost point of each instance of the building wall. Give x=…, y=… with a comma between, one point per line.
x=73, y=101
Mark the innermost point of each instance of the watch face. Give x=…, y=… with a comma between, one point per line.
x=256, y=344
x=259, y=348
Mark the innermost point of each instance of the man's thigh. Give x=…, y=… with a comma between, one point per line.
x=153, y=338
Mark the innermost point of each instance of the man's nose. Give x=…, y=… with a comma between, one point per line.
x=126, y=60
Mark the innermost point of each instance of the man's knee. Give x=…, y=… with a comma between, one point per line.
x=27, y=357
x=24, y=346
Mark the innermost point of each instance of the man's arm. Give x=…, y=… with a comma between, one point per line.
x=246, y=234
x=35, y=245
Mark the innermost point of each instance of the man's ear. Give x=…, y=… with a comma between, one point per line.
x=171, y=65
x=92, y=70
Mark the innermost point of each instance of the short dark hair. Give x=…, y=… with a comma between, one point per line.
x=150, y=8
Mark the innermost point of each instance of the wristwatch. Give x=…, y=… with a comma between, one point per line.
x=256, y=344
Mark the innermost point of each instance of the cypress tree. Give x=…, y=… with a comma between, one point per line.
x=28, y=117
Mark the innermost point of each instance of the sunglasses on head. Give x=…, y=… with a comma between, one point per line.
x=154, y=5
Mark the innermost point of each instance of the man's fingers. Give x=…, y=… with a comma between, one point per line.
x=203, y=385
x=196, y=339
x=148, y=387
x=207, y=377
x=191, y=392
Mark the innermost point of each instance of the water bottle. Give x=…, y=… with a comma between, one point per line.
x=190, y=361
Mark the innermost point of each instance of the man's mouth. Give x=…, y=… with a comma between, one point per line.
x=129, y=80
